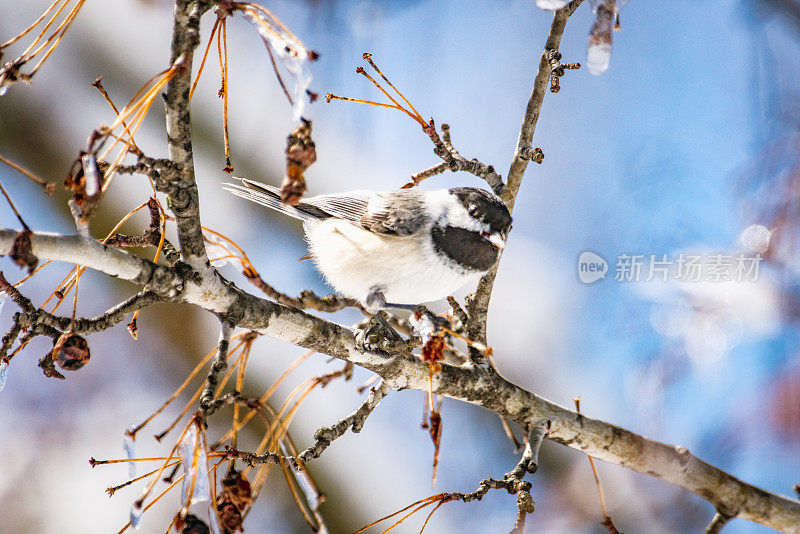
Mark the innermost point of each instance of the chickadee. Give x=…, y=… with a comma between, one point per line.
x=396, y=249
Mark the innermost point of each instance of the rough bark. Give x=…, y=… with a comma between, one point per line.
x=476, y=385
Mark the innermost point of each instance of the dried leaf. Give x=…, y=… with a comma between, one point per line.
x=229, y=515
x=435, y=430
x=22, y=253
x=133, y=328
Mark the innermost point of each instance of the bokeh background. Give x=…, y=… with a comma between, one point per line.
x=687, y=141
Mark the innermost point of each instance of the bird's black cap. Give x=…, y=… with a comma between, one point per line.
x=485, y=207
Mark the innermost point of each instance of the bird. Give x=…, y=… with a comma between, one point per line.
x=396, y=249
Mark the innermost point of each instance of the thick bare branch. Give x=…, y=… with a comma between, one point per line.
x=183, y=196
x=95, y=255
x=476, y=385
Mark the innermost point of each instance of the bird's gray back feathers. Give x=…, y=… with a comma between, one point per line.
x=390, y=213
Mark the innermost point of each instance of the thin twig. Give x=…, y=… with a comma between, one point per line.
x=719, y=521
x=218, y=365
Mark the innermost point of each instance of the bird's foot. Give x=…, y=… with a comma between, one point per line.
x=375, y=334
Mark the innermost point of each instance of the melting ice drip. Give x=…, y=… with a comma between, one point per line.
x=598, y=51
x=291, y=53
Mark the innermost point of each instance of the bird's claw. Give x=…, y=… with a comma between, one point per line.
x=376, y=335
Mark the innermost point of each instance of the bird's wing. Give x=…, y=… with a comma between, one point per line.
x=350, y=206
x=269, y=196
x=395, y=213
x=390, y=213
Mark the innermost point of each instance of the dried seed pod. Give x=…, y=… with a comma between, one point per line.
x=71, y=352
x=21, y=251
x=433, y=349
x=191, y=524
x=300, y=154
x=236, y=485
x=133, y=328
x=229, y=515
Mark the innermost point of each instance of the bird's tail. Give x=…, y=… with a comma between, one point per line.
x=268, y=196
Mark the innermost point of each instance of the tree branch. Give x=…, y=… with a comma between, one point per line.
x=443, y=147
x=476, y=385
x=95, y=255
x=218, y=365
x=478, y=302
x=194, y=281
x=719, y=521
x=355, y=421
x=182, y=193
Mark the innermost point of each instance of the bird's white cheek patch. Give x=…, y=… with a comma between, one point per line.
x=455, y=214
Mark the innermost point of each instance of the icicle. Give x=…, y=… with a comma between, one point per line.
x=90, y=175
x=422, y=325
x=598, y=53
x=313, y=496
x=136, y=514
x=129, y=445
x=219, y=251
x=213, y=520
x=3, y=373
x=292, y=54
x=195, y=467
x=552, y=5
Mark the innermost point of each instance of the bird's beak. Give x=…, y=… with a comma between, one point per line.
x=496, y=239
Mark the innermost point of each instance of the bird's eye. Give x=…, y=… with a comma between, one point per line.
x=473, y=210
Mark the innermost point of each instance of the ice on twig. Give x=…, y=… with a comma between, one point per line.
x=3, y=374
x=552, y=5
x=598, y=53
x=129, y=445
x=213, y=520
x=90, y=175
x=219, y=251
x=289, y=51
x=136, y=514
x=195, y=467
x=313, y=496
x=422, y=325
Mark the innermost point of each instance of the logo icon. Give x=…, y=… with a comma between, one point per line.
x=591, y=267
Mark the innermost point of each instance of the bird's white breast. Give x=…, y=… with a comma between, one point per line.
x=405, y=268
